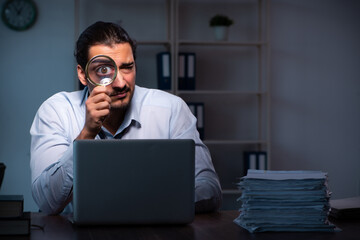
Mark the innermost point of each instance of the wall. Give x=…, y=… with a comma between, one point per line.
x=316, y=89
x=34, y=65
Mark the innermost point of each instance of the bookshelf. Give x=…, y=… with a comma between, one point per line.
x=236, y=90
x=232, y=77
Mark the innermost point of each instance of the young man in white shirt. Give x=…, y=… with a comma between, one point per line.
x=120, y=110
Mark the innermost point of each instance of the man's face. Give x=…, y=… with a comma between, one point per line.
x=122, y=88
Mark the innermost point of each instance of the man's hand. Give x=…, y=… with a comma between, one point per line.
x=97, y=109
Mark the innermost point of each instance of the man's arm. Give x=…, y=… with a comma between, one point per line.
x=52, y=190
x=208, y=195
x=57, y=123
x=51, y=158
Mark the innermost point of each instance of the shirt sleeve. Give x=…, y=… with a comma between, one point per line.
x=208, y=196
x=51, y=159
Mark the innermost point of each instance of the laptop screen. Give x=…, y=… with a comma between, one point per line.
x=134, y=181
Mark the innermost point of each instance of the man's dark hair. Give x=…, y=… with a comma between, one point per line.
x=101, y=33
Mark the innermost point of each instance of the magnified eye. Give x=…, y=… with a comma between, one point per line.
x=101, y=70
x=104, y=70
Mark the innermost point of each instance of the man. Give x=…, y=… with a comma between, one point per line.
x=120, y=110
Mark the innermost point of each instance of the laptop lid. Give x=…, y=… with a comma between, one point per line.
x=134, y=181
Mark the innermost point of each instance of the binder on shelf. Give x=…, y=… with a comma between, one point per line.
x=163, y=62
x=255, y=160
x=197, y=109
x=200, y=119
x=181, y=71
x=187, y=71
x=190, y=76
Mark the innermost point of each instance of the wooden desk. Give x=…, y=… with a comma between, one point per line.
x=217, y=226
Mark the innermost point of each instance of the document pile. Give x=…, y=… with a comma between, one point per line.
x=284, y=201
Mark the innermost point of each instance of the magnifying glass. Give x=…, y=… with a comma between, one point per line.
x=101, y=70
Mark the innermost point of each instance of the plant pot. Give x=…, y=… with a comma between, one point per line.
x=221, y=33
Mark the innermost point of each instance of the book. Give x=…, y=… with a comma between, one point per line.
x=16, y=226
x=163, y=61
x=11, y=206
x=346, y=208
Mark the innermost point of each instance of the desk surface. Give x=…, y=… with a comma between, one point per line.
x=205, y=226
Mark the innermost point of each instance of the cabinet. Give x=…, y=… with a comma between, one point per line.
x=232, y=77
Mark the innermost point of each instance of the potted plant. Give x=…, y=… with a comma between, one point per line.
x=221, y=24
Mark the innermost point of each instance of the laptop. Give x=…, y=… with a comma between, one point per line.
x=138, y=181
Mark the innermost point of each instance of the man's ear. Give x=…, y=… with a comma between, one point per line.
x=81, y=75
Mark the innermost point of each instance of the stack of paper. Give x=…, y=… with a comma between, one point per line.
x=284, y=201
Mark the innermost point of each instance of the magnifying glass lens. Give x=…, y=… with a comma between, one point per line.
x=101, y=70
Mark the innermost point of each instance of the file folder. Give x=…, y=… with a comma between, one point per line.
x=197, y=109
x=187, y=71
x=182, y=71
x=256, y=160
x=190, y=77
x=164, y=70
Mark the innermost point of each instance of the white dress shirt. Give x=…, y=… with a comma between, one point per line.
x=153, y=114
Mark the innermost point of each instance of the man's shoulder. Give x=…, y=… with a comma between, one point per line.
x=149, y=96
x=61, y=99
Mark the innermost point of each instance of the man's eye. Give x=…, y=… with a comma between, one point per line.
x=104, y=70
x=127, y=69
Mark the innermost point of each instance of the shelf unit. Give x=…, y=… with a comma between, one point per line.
x=232, y=77
x=245, y=97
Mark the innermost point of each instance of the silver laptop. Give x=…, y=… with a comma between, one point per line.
x=133, y=181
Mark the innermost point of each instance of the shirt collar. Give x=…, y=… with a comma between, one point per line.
x=132, y=114
x=85, y=94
